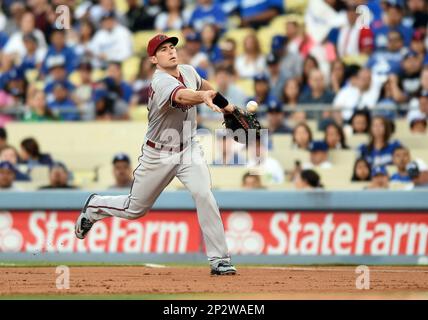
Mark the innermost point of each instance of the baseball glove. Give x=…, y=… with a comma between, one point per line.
x=240, y=121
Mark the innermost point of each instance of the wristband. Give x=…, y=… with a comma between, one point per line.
x=220, y=101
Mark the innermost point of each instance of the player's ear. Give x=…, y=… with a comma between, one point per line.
x=153, y=59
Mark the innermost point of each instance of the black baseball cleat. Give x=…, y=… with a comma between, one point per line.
x=83, y=224
x=223, y=268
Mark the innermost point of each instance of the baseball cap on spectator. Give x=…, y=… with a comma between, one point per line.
x=108, y=15
x=193, y=37
x=278, y=42
x=261, y=77
x=379, y=171
x=318, y=146
x=415, y=116
x=121, y=157
x=272, y=59
x=412, y=169
x=30, y=37
x=395, y=3
x=157, y=40
x=55, y=62
x=7, y=165
x=418, y=35
x=274, y=106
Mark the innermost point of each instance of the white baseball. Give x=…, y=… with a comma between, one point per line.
x=252, y=106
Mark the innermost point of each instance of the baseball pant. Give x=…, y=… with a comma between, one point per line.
x=155, y=171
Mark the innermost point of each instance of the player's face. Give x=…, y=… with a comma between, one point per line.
x=166, y=56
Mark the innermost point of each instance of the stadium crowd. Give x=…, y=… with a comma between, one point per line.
x=352, y=74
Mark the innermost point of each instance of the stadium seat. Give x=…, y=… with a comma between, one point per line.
x=121, y=6
x=227, y=177
x=140, y=40
x=342, y=156
x=287, y=157
x=140, y=113
x=246, y=85
x=40, y=175
x=97, y=75
x=130, y=68
x=336, y=177
x=357, y=139
x=413, y=141
x=265, y=36
x=75, y=78
x=295, y=5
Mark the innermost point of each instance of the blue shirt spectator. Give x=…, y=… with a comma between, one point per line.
x=59, y=48
x=396, y=177
x=258, y=13
x=207, y=12
x=3, y=39
x=379, y=157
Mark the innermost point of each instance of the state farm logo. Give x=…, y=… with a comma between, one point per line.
x=240, y=237
x=10, y=239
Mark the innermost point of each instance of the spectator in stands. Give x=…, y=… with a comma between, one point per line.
x=16, y=11
x=258, y=13
x=142, y=16
x=192, y=48
x=228, y=51
x=7, y=176
x=58, y=177
x=360, y=93
x=31, y=156
x=113, y=42
x=334, y=137
x=418, y=174
x=3, y=137
x=268, y=167
x=392, y=20
x=379, y=150
x=84, y=90
x=141, y=85
x=291, y=63
x=43, y=11
x=337, y=76
x=262, y=93
x=294, y=35
x=62, y=104
x=15, y=44
x=388, y=61
x=308, y=179
x=15, y=88
x=38, y=109
x=417, y=122
x=207, y=11
x=10, y=154
x=119, y=92
x=406, y=84
x=310, y=63
x=225, y=81
x=387, y=103
x=362, y=171
x=318, y=156
x=275, y=118
x=251, y=181
x=34, y=55
x=122, y=171
x=418, y=43
x=317, y=93
x=57, y=73
x=105, y=7
x=57, y=48
x=401, y=159
x=209, y=37
x=171, y=17
x=252, y=61
x=380, y=178
x=360, y=121
x=302, y=136
x=290, y=96
x=276, y=78
x=417, y=14
x=354, y=39
x=86, y=31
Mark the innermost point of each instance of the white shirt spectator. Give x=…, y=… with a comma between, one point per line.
x=270, y=168
x=161, y=22
x=348, y=40
x=248, y=69
x=324, y=165
x=350, y=98
x=15, y=45
x=115, y=45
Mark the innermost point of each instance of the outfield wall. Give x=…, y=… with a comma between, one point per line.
x=366, y=227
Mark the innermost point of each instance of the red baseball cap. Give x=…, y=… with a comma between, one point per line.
x=157, y=40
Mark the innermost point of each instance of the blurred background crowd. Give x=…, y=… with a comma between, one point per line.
x=342, y=86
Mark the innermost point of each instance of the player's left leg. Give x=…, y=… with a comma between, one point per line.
x=196, y=178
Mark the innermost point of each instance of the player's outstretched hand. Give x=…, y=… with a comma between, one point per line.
x=208, y=100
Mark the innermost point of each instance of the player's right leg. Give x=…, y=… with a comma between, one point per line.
x=150, y=177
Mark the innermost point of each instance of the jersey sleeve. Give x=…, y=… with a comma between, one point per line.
x=165, y=88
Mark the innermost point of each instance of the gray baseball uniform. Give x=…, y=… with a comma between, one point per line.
x=157, y=168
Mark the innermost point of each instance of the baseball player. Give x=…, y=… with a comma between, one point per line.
x=175, y=91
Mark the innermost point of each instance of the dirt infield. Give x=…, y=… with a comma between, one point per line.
x=195, y=282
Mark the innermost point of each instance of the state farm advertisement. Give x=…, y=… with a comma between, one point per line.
x=247, y=232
